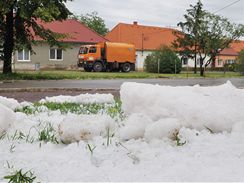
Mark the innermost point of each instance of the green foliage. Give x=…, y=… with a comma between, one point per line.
x=240, y=65
x=205, y=34
x=113, y=110
x=18, y=135
x=11, y=149
x=63, y=107
x=27, y=110
x=20, y=177
x=109, y=137
x=91, y=149
x=94, y=22
x=3, y=135
x=230, y=67
x=177, y=139
x=168, y=61
x=77, y=75
x=48, y=134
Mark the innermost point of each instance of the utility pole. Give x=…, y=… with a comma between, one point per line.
x=158, y=66
x=195, y=57
x=142, y=43
x=175, y=67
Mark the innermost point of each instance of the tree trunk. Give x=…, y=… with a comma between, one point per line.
x=195, y=60
x=8, y=43
x=201, y=67
x=195, y=64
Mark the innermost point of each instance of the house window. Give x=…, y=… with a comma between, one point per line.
x=198, y=61
x=230, y=61
x=56, y=54
x=220, y=62
x=23, y=55
x=184, y=60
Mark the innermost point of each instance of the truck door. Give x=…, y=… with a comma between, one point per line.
x=94, y=53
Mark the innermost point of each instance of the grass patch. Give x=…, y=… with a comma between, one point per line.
x=113, y=110
x=48, y=134
x=80, y=75
x=177, y=139
x=20, y=177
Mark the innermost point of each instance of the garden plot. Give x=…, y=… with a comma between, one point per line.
x=155, y=133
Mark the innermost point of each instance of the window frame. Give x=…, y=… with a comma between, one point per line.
x=23, y=56
x=93, y=48
x=56, y=51
x=220, y=62
x=184, y=61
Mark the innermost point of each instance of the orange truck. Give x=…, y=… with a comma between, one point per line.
x=107, y=56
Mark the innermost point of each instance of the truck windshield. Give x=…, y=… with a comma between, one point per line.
x=83, y=50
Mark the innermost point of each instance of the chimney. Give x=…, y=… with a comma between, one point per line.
x=135, y=23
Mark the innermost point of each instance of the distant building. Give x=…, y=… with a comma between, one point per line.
x=229, y=55
x=47, y=57
x=149, y=38
x=145, y=38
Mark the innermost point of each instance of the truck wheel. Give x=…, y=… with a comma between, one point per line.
x=97, y=67
x=126, y=67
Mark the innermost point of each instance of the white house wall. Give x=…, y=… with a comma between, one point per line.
x=141, y=56
x=191, y=62
x=140, y=59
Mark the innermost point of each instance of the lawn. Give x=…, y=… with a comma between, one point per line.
x=58, y=75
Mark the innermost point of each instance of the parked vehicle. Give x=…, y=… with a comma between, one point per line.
x=107, y=56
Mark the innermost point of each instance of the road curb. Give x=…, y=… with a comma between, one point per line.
x=6, y=90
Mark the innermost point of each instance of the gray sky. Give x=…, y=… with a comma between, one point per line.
x=165, y=13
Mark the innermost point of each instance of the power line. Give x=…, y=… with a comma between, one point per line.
x=227, y=6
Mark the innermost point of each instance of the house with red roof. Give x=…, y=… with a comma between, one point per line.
x=47, y=57
x=149, y=38
x=229, y=55
x=145, y=38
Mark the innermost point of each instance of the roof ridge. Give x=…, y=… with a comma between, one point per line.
x=146, y=26
x=87, y=27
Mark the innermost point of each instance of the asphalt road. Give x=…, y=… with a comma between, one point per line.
x=114, y=84
x=33, y=91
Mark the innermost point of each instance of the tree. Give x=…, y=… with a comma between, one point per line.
x=205, y=34
x=94, y=22
x=240, y=64
x=163, y=60
x=186, y=42
x=18, y=24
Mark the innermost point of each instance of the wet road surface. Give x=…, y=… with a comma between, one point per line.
x=35, y=90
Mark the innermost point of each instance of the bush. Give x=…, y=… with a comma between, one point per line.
x=168, y=61
x=230, y=67
x=240, y=65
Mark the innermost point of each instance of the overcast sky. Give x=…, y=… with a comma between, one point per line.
x=153, y=12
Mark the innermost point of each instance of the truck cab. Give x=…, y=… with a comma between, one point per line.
x=88, y=54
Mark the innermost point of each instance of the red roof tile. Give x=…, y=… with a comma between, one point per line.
x=75, y=31
x=228, y=51
x=234, y=49
x=143, y=37
x=238, y=46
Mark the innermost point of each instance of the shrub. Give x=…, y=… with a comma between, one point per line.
x=240, y=65
x=169, y=62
